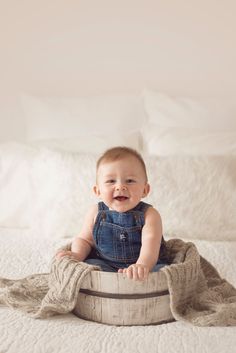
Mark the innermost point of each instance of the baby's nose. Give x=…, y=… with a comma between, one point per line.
x=120, y=187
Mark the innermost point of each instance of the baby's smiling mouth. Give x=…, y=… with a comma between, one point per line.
x=121, y=198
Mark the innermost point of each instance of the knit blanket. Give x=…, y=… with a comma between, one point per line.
x=198, y=294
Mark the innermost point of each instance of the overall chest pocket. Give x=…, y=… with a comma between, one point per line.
x=118, y=243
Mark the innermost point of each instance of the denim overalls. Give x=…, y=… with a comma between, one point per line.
x=117, y=238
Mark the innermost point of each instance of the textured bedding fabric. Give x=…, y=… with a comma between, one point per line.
x=22, y=254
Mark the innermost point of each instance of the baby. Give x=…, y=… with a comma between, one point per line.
x=121, y=233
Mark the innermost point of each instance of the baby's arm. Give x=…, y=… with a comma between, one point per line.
x=151, y=242
x=83, y=243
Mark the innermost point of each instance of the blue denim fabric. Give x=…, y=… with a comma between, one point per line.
x=117, y=237
x=105, y=266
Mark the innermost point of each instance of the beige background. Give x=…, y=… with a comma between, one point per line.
x=85, y=47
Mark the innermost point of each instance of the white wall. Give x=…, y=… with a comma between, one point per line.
x=83, y=47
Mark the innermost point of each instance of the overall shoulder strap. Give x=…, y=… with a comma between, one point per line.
x=102, y=206
x=142, y=206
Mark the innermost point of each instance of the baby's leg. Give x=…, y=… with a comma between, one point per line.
x=101, y=263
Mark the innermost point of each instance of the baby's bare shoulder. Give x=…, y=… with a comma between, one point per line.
x=152, y=213
x=92, y=212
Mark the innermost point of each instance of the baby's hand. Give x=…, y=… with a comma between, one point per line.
x=136, y=271
x=62, y=253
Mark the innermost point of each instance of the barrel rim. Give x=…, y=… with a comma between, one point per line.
x=124, y=296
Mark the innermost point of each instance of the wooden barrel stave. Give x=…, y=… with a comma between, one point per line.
x=112, y=298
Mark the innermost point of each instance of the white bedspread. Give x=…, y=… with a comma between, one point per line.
x=21, y=254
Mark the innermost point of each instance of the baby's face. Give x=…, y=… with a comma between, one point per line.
x=121, y=184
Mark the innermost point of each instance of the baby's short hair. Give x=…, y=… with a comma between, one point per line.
x=119, y=152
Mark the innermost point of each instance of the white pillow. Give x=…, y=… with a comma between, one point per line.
x=15, y=160
x=196, y=196
x=187, y=141
x=63, y=118
x=209, y=113
x=92, y=143
x=61, y=192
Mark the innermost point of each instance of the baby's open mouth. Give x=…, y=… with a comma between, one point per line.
x=121, y=198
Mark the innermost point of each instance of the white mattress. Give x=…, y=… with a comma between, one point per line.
x=21, y=254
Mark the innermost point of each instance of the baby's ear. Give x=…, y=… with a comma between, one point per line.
x=146, y=190
x=96, y=190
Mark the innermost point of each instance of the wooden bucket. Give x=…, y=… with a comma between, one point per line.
x=112, y=298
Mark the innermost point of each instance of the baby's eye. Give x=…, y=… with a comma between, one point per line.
x=110, y=181
x=130, y=181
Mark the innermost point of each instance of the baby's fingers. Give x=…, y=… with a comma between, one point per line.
x=63, y=253
x=143, y=273
x=60, y=254
x=132, y=272
x=137, y=272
